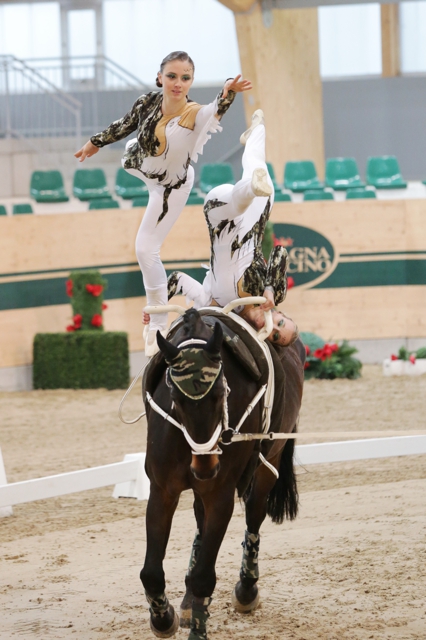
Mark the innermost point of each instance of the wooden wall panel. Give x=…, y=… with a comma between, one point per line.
x=33, y=244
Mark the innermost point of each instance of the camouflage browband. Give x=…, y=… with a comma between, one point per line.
x=194, y=372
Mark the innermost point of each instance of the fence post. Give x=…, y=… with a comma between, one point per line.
x=4, y=511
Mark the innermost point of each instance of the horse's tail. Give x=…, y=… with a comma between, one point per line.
x=283, y=500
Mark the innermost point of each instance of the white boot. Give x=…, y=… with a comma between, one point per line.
x=259, y=183
x=150, y=335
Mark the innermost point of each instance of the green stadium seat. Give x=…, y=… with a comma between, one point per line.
x=212, y=175
x=301, y=176
x=47, y=186
x=280, y=196
x=383, y=173
x=141, y=201
x=22, y=208
x=272, y=174
x=342, y=173
x=128, y=186
x=357, y=194
x=89, y=184
x=104, y=203
x=195, y=197
x=3, y=211
x=318, y=195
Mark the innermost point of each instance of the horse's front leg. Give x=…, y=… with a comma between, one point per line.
x=202, y=578
x=186, y=604
x=161, y=507
x=245, y=597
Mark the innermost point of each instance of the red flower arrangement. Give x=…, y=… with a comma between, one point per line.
x=77, y=320
x=94, y=289
x=329, y=361
x=96, y=321
x=86, y=290
x=326, y=351
x=407, y=356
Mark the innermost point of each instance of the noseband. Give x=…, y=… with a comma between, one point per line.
x=183, y=379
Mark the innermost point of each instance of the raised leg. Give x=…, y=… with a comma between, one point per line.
x=161, y=507
x=245, y=596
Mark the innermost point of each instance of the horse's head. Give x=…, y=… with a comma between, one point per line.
x=198, y=388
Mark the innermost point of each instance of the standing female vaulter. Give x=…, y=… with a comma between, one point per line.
x=171, y=131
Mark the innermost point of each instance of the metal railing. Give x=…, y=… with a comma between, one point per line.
x=86, y=73
x=33, y=106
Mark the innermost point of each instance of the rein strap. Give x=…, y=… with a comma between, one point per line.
x=197, y=448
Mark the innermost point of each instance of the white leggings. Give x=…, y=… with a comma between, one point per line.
x=151, y=235
x=239, y=199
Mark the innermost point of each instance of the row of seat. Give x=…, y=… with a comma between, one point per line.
x=196, y=197
x=383, y=172
x=88, y=185
x=16, y=209
x=341, y=174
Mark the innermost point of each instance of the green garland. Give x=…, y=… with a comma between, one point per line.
x=329, y=361
x=404, y=354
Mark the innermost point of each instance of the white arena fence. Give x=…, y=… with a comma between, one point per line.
x=131, y=481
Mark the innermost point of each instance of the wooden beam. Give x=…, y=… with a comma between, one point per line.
x=282, y=61
x=389, y=14
x=238, y=6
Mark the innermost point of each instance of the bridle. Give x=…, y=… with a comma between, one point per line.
x=205, y=448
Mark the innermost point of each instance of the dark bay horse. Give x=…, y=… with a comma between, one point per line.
x=203, y=388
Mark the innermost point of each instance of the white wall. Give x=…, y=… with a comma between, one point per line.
x=413, y=36
x=30, y=30
x=350, y=40
x=140, y=33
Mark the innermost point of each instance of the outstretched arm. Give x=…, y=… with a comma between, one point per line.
x=117, y=130
x=237, y=85
x=86, y=151
x=231, y=87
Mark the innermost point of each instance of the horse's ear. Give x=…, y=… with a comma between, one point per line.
x=169, y=351
x=215, y=342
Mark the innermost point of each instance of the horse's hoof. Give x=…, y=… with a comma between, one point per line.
x=185, y=618
x=166, y=633
x=247, y=605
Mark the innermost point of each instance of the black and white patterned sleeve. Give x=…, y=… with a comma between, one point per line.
x=223, y=104
x=120, y=129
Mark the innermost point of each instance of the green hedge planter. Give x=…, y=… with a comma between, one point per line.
x=81, y=360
